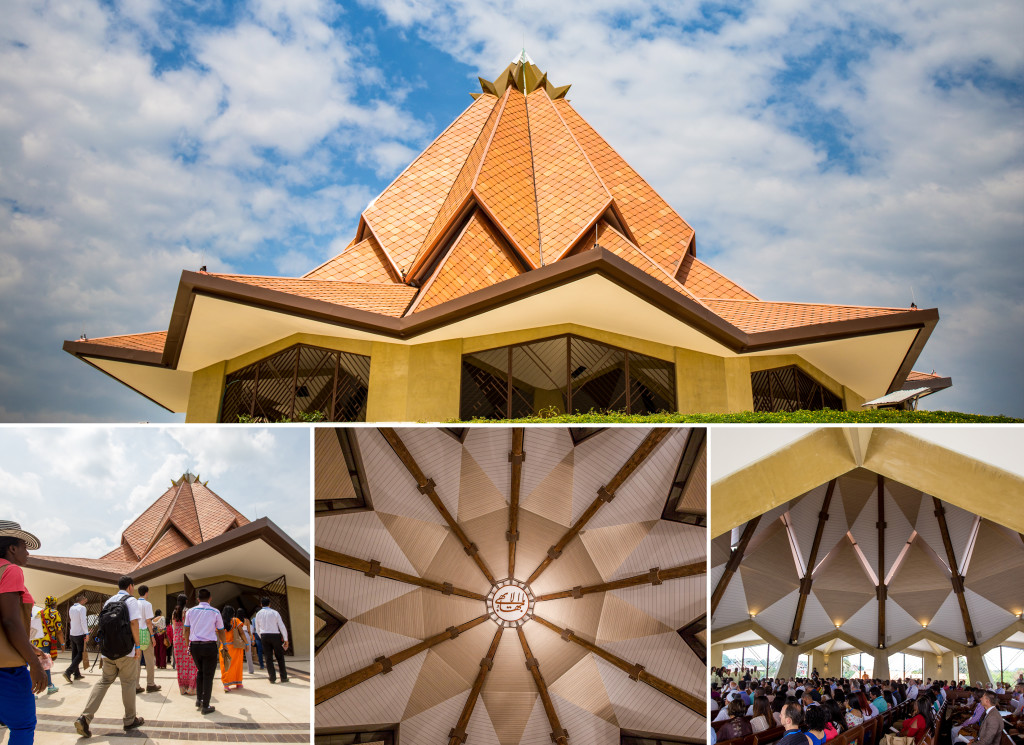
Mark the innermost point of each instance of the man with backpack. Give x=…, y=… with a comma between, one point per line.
x=117, y=633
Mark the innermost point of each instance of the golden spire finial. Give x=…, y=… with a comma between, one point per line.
x=524, y=76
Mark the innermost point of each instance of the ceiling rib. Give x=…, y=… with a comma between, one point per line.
x=458, y=735
x=515, y=457
x=812, y=558
x=374, y=569
x=605, y=494
x=883, y=590
x=386, y=664
x=655, y=576
x=426, y=486
x=954, y=572
x=635, y=672
x=558, y=734
x=734, y=563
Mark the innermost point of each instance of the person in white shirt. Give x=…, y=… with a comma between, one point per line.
x=272, y=632
x=912, y=691
x=78, y=629
x=126, y=668
x=148, y=654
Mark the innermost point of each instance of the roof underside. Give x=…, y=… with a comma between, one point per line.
x=518, y=181
x=472, y=477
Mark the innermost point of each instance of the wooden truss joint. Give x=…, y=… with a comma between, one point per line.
x=577, y=592
x=457, y=734
x=655, y=576
x=385, y=664
x=554, y=552
x=453, y=632
x=374, y=570
x=426, y=488
x=447, y=588
x=604, y=495
x=511, y=537
x=516, y=459
x=634, y=674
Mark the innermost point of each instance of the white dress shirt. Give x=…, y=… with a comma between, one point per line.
x=146, y=609
x=79, y=621
x=269, y=621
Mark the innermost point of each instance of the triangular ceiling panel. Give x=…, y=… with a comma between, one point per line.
x=536, y=728
x=675, y=602
x=573, y=567
x=556, y=656
x=668, y=544
x=770, y=518
x=732, y=608
x=582, y=686
x=897, y=533
x=464, y=653
x=597, y=460
x=402, y=215
x=437, y=683
x=391, y=486
x=996, y=568
x=906, y=498
x=620, y=621
x=582, y=615
x=490, y=447
x=439, y=457
x=419, y=541
x=948, y=621
x=552, y=497
x=379, y=700
x=609, y=547
x=863, y=625
x=666, y=656
x=856, y=488
x=815, y=621
x=638, y=706
x=584, y=725
x=451, y=564
x=365, y=536
x=505, y=184
x=803, y=517
x=481, y=729
x=899, y=624
x=430, y=725
x=987, y=618
x=840, y=583
x=353, y=593
x=769, y=573
x=777, y=619
x=562, y=173
x=643, y=495
x=355, y=646
x=721, y=549
x=478, y=494
x=545, y=448
x=921, y=583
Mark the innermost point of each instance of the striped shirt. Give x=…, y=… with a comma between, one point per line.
x=202, y=621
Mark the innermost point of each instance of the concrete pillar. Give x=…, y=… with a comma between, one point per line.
x=701, y=383
x=881, y=664
x=205, y=393
x=787, y=668
x=434, y=382
x=715, y=656
x=976, y=666
x=818, y=662
x=387, y=397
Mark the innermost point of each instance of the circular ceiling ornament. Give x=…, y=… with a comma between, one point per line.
x=510, y=603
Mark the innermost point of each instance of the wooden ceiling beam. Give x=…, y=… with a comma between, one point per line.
x=883, y=590
x=374, y=569
x=457, y=736
x=605, y=494
x=635, y=672
x=812, y=558
x=515, y=457
x=653, y=577
x=558, y=734
x=386, y=664
x=954, y=572
x=426, y=486
x=734, y=563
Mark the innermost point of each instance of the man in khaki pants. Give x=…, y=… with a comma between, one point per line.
x=125, y=668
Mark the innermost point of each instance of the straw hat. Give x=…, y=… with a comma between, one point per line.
x=11, y=529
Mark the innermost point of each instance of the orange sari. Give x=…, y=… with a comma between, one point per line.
x=231, y=675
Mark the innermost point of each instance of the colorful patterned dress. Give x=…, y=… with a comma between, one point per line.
x=231, y=675
x=184, y=665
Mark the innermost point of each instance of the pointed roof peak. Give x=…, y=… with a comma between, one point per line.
x=186, y=478
x=523, y=75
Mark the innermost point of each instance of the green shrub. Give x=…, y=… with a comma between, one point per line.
x=824, y=416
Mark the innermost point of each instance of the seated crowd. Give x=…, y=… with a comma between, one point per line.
x=815, y=710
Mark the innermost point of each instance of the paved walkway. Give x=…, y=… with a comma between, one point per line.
x=259, y=712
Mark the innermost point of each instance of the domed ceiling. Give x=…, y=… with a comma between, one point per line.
x=877, y=550
x=497, y=585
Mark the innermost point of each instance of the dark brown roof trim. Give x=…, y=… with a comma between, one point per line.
x=264, y=529
x=910, y=359
x=933, y=384
x=82, y=356
x=595, y=261
x=116, y=354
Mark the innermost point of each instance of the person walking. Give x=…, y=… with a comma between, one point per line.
x=269, y=627
x=235, y=644
x=184, y=665
x=160, y=639
x=52, y=640
x=146, y=634
x=21, y=671
x=77, y=631
x=118, y=634
x=203, y=628
x=250, y=642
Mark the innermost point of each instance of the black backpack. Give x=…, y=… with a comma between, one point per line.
x=114, y=630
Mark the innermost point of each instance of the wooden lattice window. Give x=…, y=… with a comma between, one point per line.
x=790, y=389
x=299, y=380
x=567, y=374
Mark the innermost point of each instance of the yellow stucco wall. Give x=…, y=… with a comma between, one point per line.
x=421, y=382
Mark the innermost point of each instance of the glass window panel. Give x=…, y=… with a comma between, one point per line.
x=652, y=385
x=484, y=392
x=789, y=389
x=803, y=666
x=858, y=665
x=539, y=377
x=598, y=375
x=353, y=387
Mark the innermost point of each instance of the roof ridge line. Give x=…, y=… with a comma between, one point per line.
x=170, y=526
x=694, y=257
x=163, y=522
x=817, y=305
x=440, y=265
x=221, y=499
x=533, y=171
x=351, y=244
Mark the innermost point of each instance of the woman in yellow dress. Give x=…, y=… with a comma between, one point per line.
x=234, y=643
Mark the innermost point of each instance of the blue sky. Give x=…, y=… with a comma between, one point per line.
x=850, y=152
x=77, y=488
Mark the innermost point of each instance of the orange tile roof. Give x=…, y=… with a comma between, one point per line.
x=360, y=262
x=918, y=375
x=150, y=341
x=754, y=316
x=570, y=194
x=170, y=543
x=505, y=184
x=401, y=216
x=386, y=299
x=703, y=281
x=608, y=237
x=658, y=229
x=140, y=533
x=104, y=565
x=477, y=260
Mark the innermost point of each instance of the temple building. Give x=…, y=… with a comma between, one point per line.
x=518, y=264
x=190, y=538
x=869, y=552
x=510, y=586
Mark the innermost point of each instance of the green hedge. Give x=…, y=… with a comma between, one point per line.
x=825, y=416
